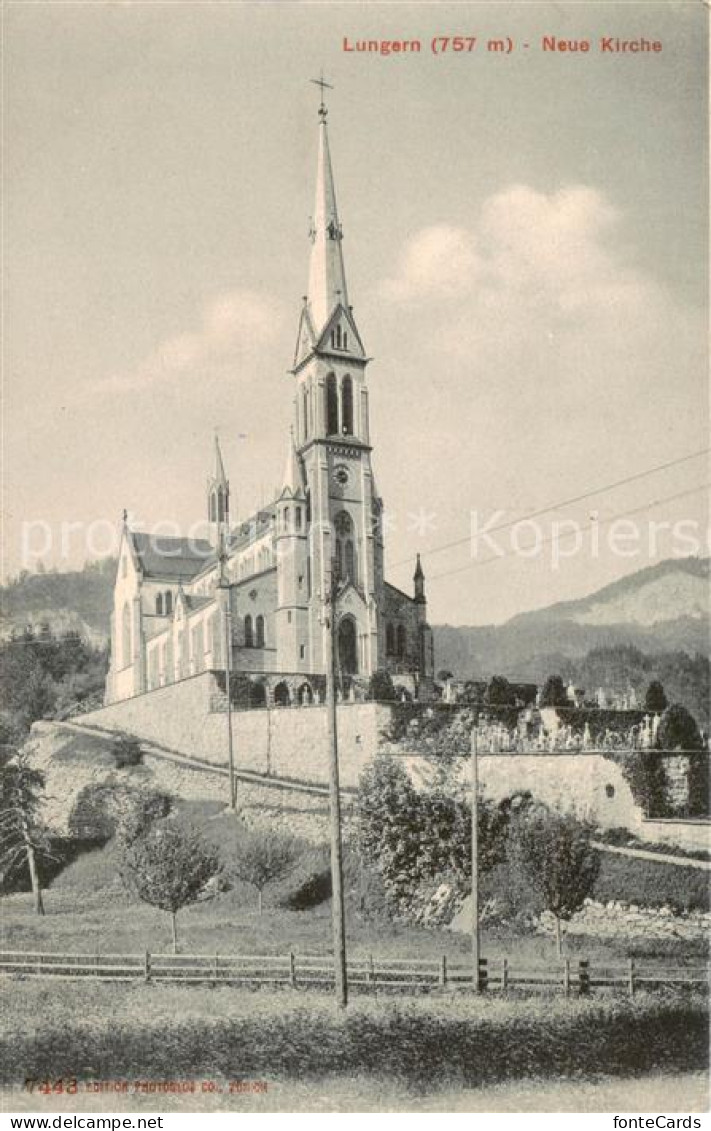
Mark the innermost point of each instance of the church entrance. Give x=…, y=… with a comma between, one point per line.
x=347, y=647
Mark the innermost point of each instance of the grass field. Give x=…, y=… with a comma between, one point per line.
x=88, y=910
x=114, y=1032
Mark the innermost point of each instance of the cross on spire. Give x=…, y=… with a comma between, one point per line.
x=324, y=86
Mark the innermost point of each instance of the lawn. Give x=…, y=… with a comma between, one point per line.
x=115, y=1032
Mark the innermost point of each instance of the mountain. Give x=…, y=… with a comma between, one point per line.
x=78, y=600
x=652, y=624
x=663, y=608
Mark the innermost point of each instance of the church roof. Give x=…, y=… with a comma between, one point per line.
x=170, y=557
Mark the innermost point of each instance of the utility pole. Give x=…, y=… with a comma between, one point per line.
x=475, y=861
x=228, y=673
x=227, y=603
x=337, y=903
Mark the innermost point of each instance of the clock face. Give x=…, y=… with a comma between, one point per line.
x=341, y=475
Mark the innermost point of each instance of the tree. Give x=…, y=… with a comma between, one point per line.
x=381, y=688
x=554, y=693
x=22, y=835
x=260, y=858
x=655, y=700
x=169, y=867
x=444, y=674
x=551, y=850
x=678, y=730
x=412, y=837
x=500, y=693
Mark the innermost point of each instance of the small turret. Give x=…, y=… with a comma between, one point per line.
x=218, y=499
x=419, y=580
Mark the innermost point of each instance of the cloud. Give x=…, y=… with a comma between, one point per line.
x=233, y=324
x=435, y=262
x=541, y=292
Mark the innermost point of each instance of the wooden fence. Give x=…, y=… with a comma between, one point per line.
x=408, y=975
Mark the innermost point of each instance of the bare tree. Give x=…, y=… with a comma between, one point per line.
x=169, y=867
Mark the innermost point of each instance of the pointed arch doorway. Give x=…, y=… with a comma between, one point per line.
x=348, y=646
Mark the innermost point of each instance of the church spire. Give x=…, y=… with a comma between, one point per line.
x=292, y=483
x=218, y=496
x=327, y=277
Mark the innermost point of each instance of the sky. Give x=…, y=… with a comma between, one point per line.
x=525, y=238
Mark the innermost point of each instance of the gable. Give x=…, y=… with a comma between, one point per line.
x=340, y=336
x=306, y=337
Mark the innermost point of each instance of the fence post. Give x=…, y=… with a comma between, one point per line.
x=39, y=963
x=215, y=967
x=96, y=963
x=443, y=970
x=483, y=974
x=147, y=966
x=292, y=969
x=566, y=977
x=584, y=977
x=370, y=970
x=504, y=975
x=630, y=977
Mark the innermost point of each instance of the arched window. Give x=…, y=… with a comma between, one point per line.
x=350, y=561
x=213, y=507
x=331, y=405
x=168, y=603
x=348, y=646
x=282, y=698
x=260, y=631
x=308, y=507
x=347, y=406
x=344, y=549
x=159, y=604
x=401, y=640
x=390, y=640
x=126, y=635
x=220, y=505
x=248, y=632
x=285, y=518
x=304, y=415
x=297, y=516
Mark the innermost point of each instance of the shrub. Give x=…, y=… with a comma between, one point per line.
x=314, y=890
x=126, y=751
x=458, y=1044
x=381, y=688
x=655, y=700
x=678, y=730
x=554, y=692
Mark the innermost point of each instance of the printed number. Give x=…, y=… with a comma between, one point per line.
x=59, y=1087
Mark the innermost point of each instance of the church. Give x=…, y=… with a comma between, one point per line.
x=258, y=588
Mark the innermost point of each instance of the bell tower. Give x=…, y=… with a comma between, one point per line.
x=332, y=440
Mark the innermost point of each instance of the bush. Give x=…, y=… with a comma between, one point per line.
x=381, y=688
x=126, y=751
x=314, y=890
x=678, y=730
x=458, y=1044
x=101, y=810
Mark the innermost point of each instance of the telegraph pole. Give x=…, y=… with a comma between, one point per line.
x=225, y=587
x=337, y=903
x=228, y=673
x=475, y=861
